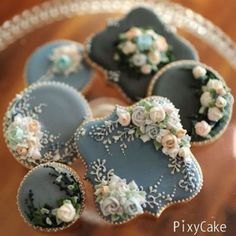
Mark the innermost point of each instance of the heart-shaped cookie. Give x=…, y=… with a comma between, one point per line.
x=132, y=49
x=138, y=160
x=201, y=94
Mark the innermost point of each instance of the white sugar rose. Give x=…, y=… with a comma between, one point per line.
x=110, y=206
x=221, y=102
x=66, y=212
x=169, y=141
x=214, y=114
x=154, y=57
x=206, y=99
x=202, y=128
x=152, y=131
x=117, y=184
x=161, y=44
x=139, y=59
x=172, y=152
x=138, y=116
x=199, y=71
x=157, y=114
x=184, y=152
x=146, y=69
x=124, y=117
x=217, y=85
x=132, y=207
x=128, y=48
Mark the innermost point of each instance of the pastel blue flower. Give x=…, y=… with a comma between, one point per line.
x=144, y=42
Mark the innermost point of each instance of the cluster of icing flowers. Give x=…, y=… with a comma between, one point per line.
x=159, y=122
x=68, y=208
x=66, y=59
x=118, y=199
x=23, y=136
x=213, y=101
x=142, y=49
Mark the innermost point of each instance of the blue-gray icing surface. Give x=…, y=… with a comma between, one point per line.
x=102, y=49
x=140, y=162
x=38, y=64
x=59, y=109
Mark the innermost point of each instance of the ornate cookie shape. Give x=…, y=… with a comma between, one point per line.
x=51, y=197
x=138, y=160
x=132, y=49
x=62, y=61
x=40, y=122
x=201, y=94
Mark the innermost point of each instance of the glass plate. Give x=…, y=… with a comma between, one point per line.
x=77, y=20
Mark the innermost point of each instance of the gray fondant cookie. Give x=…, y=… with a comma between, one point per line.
x=132, y=49
x=138, y=160
x=40, y=122
x=51, y=197
x=204, y=100
x=61, y=61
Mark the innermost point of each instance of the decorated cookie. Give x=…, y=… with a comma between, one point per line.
x=61, y=61
x=51, y=197
x=204, y=100
x=131, y=50
x=40, y=122
x=138, y=160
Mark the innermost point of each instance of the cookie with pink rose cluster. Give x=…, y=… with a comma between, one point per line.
x=200, y=93
x=131, y=50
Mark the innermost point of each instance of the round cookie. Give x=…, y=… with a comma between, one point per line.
x=104, y=50
x=61, y=61
x=40, y=123
x=201, y=95
x=142, y=164
x=51, y=197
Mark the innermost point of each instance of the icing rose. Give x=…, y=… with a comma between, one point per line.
x=139, y=59
x=199, y=72
x=181, y=133
x=220, y=102
x=117, y=184
x=139, y=116
x=146, y=69
x=172, y=152
x=22, y=149
x=157, y=114
x=215, y=84
x=132, y=207
x=206, y=99
x=128, y=47
x=184, y=152
x=154, y=57
x=152, y=131
x=202, y=128
x=214, y=114
x=66, y=212
x=161, y=44
x=173, y=122
x=162, y=133
x=169, y=141
x=133, y=32
x=110, y=206
x=15, y=134
x=34, y=126
x=124, y=117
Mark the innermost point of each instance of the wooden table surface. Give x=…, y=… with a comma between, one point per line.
x=217, y=200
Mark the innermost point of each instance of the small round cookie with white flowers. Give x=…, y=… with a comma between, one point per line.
x=62, y=61
x=132, y=49
x=40, y=123
x=201, y=94
x=143, y=161
x=51, y=197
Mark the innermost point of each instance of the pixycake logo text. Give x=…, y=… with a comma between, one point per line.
x=202, y=227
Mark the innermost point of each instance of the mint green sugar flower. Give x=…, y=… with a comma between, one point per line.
x=15, y=135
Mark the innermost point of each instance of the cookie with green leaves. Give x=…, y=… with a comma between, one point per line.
x=200, y=93
x=138, y=160
x=51, y=197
